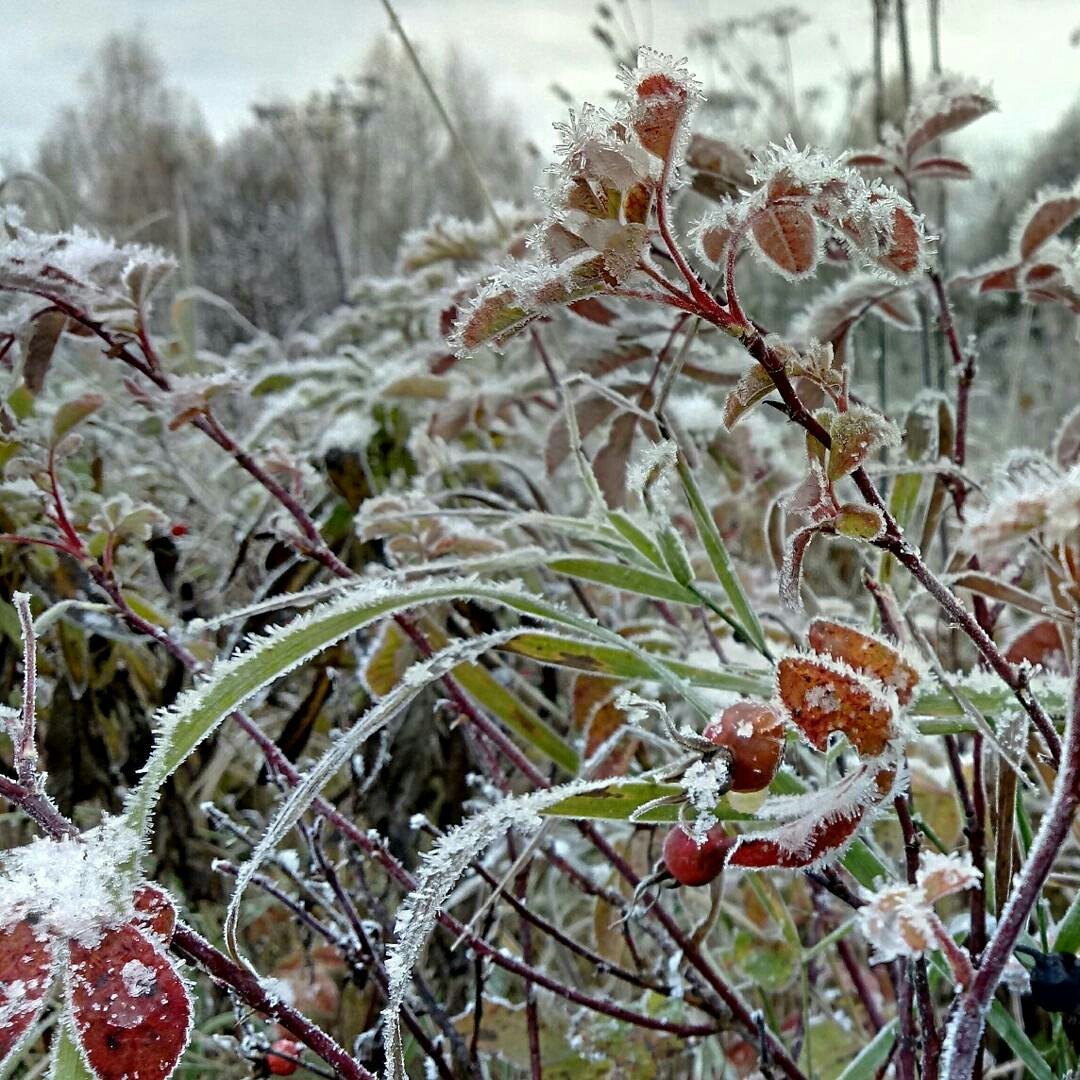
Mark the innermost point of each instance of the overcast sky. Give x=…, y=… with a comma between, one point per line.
x=227, y=53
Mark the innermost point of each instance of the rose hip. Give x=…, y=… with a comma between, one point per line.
x=754, y=735
x=692, y=864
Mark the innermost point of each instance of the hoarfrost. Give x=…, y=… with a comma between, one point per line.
x=73, y=888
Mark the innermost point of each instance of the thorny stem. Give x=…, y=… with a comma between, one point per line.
x=966, y=1026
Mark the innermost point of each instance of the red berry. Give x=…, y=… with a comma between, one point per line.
x=754, y=735
x=282, y=1066
x=178, y=529
x=692, y=864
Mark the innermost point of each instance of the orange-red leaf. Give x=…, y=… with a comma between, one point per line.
x=787, y=236
x=957, y=113
x=815, y=827
x=596, y=714
x=904, y=251
x=1000, y=280
x=941, y=168
x=155, y=911
x=875, y=162
x=26, y=969
x=131, y=1011
x=1049, y=218
x=864, y=653
x=760, y=852
x=821, y=700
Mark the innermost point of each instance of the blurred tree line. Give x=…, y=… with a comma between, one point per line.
x=279, y=217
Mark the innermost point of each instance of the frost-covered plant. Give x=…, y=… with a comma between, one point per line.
x=579, y=566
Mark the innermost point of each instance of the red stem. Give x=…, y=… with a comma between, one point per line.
x=969, y=1016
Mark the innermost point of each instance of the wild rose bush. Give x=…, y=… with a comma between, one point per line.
x=569, y=673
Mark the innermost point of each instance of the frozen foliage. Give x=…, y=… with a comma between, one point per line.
x=77, y=268
x=1022, y=506
x=802, y=197
x=899, y=920
x=414, y=679
x=441, y=869
x=833, y=312
x=74, y=888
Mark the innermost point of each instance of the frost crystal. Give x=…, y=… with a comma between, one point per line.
x=72, y=888
x=899, y=920
x=139, y=979
x=1024, y=504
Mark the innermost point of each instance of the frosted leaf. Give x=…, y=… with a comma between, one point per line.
x=70, y=888
x=880, y=230
x=856, y=434
x=899, y=669
x=945, y=104
x=832, y=313
x=896, y=921
x=943, y=874
x=662, y=93
x=453, y=239
x=1050, y=211
x=77, y=267
x=1020, y=507
x=790, y=581
x=26, y=974
x=823, y=695
x=130, y=1010
x=815, y=828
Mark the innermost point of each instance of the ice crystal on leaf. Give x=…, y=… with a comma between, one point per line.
x=598, y=228
x=832, y=313
x=945, y=104
x=1024, y=506
x=802, y=196
x=817, y=827
x=898, y=920
x=68, y=904
x=70, y=888
x=78, y=268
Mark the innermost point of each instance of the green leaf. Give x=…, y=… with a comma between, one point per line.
x=627, y=578
x=73, y=413
x=770, y=963
x=1067, y=939
x=1002, y=1022
x=718, y=555
x=229, y=684
x=481, y=685
x=872, y=1056
x=619, y=801
x=607, y=660
x=636, y=537
x=67, y=1062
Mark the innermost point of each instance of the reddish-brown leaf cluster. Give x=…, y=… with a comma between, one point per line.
x=129, y=1010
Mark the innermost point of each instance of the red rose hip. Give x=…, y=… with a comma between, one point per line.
x=282, y=1066
x=754, y=735
x=692, y=864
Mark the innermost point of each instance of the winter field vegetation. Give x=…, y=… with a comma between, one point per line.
x=603, y=610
